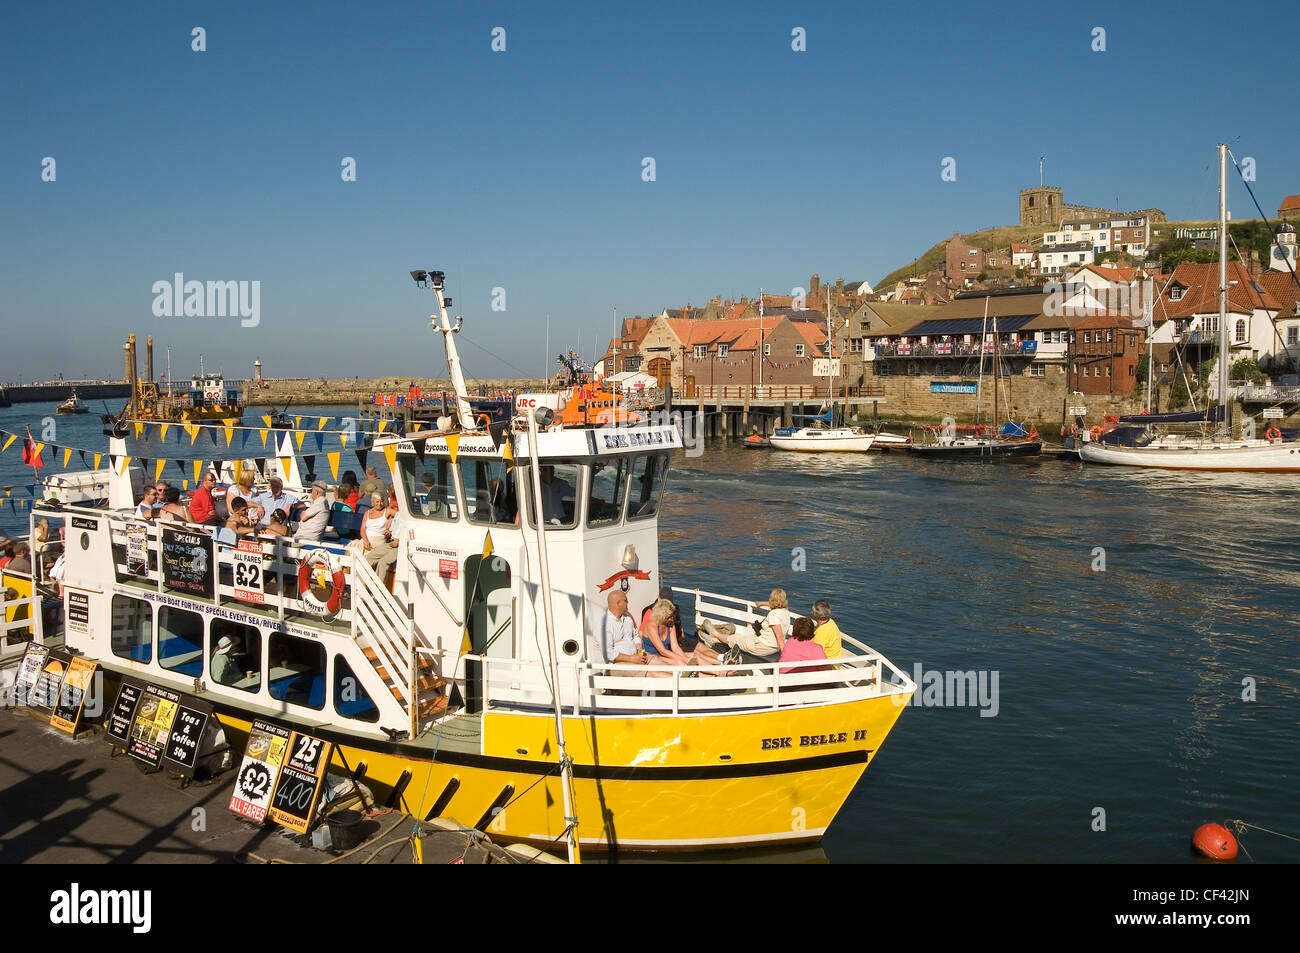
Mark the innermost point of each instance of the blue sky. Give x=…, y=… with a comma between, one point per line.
x=523, y=169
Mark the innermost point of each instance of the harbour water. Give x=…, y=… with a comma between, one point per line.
x=1121, y=693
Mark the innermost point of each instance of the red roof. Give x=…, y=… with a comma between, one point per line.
x=1290, y=204
x=1284, y=288
x=1202, y=295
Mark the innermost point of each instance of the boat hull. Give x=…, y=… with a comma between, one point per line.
x=641, y=782
x=980, y=450
x=807, y=440
x=1281, y=457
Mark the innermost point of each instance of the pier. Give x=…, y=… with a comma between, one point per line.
x=735, y=408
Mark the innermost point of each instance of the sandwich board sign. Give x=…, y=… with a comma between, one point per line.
x=117, y=727
x=298, y=788
x=72, y=696
x=259, y=771
x=152, y=727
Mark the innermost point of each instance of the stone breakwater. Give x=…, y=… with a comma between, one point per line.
x=303, y=391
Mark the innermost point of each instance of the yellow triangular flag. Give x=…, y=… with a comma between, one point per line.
x=98, y=457
x=382, y=425
x=198, y=468
x=343, y=438
x=297, y=421
x=162, y=431
x=487, y=545
x=67, y=455
x=139, y=429
x=158, y=468
x=238, y=467
x=284, y=464
x=230, y=435
x=230, y=421
x=390, y=454
x=321, y=422
x=39, y=448
x=417, y=425
x=267, y=420
x=193, y=431
x=298, y=435
x=465, y=644
x=9, y=442
x=333, y=458
x=453, y=442
x=185, y=484
x=263, y=434
x=126, y=462
x=507, y=452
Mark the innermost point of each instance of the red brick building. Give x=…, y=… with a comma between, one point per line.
x=1103, y=354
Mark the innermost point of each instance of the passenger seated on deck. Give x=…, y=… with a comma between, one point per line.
x=241, y=522
x=202, y=508
x=224, y=667
x=660, y=637
x=765, y=639
x=828, y=633
x=145, y=509
x=172, y=511
x=279, y=525
x=243, y=490
x=617, y=634
x=801, y=648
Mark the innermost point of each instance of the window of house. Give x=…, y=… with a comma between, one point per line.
x=767, y=350
x=1241, y=331
x=699, y=351
x=1087, y=337
x=1037, y=369
x=1110, y=336
x=798, y=350
x=132, y=636
x=1292, y=335
x=855, y=345
x=1175, y=293
x=296, y=670
x=1131, y=370
x=723, y=350
x=1163, y=367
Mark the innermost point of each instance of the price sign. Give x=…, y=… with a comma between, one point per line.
x=1078, y=411
x=298, y=788
x=246, y=558
x=72, y=696
x=137, y=542
x=259, y=771
x=29, y=672
x=153, y=724
x=186, y=737
x=118, y=725
x=78, y=619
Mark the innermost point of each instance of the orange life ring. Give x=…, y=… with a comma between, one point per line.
x=1273, y=434
x=306, y=569
x=1096, y=433
x=1074, y=429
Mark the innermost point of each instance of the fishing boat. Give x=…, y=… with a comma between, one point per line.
x=822, y=436
x=1213, y=446
x=473, y=684
x=73, y=405
x=980, y=442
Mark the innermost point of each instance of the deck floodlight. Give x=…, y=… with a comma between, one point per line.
x=419, y=276
x=437, y=278
x=544, y=416
x=447, y=301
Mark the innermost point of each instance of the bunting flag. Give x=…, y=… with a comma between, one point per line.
x=417, y=425
x=361, y=459
x=126, y=462
x=284, y=463
x=297, y=436
x=54, y=450
x=390, y=454
x=382, y=425
x=98, y=457
x=193, y=431
x=453, y=443
x=82, y=454
x=320, y=441
x=32, y=452
x=508, y=455
x=333, y=458
x=419, y=446
x=266, y=419
x=230, y=435
x=198, y=469
x=297, y=422
x=320, y=424
x=310, y=460
x=144, y=464
x=263, y=435
x=162, y=431
x=243, y=438
x=343, y=438
x=139, y=429
x=67, y=455
x=238, y=467
x=180, y=465
x=148, y=431
x=185, y=484
x=9, y=442
x=158, y=469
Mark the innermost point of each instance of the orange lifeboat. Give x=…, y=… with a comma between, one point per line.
x=589, y=405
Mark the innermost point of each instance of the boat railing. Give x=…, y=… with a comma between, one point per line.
x=274, y=589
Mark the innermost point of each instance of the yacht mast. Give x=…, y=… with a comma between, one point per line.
x=979, y=384
x=1223, y=286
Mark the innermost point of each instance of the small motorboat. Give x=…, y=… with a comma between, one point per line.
x=756, y=441
x=73, y=405
x=891, y=441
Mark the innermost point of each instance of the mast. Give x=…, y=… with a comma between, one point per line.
x=760, y=340
x=979, y=384
x=995, y=366
x=1223, y=285
x=830, y=388
x=436, y=280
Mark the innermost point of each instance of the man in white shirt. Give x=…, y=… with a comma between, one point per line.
x=618, y=639
x=145, y=510
x=317, y=514
x=275, y=499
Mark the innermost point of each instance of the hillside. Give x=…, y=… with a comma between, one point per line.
x=1003, y=236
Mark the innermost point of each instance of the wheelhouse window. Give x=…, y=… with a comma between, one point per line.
x=489, y=491
x=560, y=486
x=429, y=487
x=235, y=655
x=296, y=670
x=350, y=699
x=132, y=636
x=608, y=487
x=649, y=473
x=180, y=641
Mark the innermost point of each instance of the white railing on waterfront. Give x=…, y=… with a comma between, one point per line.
x=593, y=687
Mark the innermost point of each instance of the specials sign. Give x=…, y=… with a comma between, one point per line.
x=187, y=562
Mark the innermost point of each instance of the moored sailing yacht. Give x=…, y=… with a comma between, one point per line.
x=1205, y=451
x=457, y=688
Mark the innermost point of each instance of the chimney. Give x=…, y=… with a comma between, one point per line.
x=814, y=284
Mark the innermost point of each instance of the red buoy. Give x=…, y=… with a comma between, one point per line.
x=1215, y=841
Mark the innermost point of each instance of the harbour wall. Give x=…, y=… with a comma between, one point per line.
x=37, y=393
x=306, y=392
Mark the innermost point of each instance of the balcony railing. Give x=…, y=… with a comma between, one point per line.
x=909, y=351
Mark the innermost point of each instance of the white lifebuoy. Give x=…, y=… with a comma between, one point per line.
x=321, y=560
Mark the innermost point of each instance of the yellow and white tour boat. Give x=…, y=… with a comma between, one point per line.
x=473, y=686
